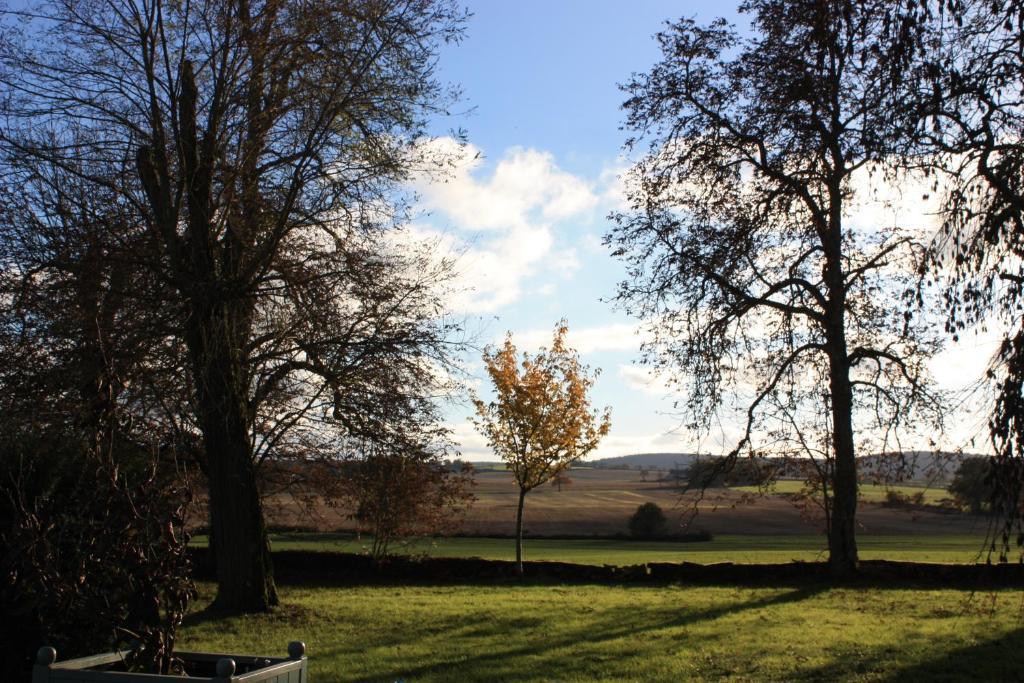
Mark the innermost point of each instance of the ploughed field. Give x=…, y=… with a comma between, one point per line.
x=624, y=633
x=599, y=502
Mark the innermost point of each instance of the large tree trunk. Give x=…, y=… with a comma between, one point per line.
x=842, y=541
x=519, y=532
x=239, y=541
x=207, y=267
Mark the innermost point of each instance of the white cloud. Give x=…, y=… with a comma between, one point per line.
x=566, y=263
x=471, y=444
x=513, y=214
x=615, y=337
x=593, y=244
x=526, y=188
x=879, y=202
x=963, y=363
x=624, y=443
x=643, y=379
x=614, y=185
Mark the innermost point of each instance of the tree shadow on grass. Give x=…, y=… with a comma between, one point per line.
x=1000, y=658
x=608, y=625
x=996, y=659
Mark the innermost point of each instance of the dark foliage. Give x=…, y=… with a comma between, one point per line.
x=715, y=472
x=648, y=520
x=973, y=484
x=93, y=554
x=740, y=252
x=964, y=84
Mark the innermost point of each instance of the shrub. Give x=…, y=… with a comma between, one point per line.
x=894, y=498
x=402, y=494
x=93, y=556
x=648, y=520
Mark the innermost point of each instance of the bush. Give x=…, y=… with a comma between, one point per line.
x=93, y=556
x=648, y=520
x=894, y=498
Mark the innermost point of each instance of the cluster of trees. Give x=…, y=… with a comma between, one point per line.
x=973, y=484
x=197, y=274
x=742, y=251
x=714, y=472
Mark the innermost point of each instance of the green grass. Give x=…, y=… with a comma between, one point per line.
x=750, y=549
x=592, y=633
x=870, y=493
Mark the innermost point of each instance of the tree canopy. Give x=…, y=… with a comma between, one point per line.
x=257, y=150
x=741, y=250
x=540, y=421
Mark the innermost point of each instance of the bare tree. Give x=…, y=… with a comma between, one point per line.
x=402, y=490
x=267, y=140
x=965, y=82
x=739, y=248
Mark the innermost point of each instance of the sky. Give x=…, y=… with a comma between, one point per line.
x=526, y=207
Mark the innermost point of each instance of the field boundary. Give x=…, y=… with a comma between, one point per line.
x=337, y=567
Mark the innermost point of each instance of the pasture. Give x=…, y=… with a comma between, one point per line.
x=619, y=633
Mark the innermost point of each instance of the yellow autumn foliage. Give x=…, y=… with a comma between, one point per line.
x=540, y=420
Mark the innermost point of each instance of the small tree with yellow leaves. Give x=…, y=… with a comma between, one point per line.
x=540, y=421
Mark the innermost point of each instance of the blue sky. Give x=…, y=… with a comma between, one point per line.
x=527, y=206
x=541, y=106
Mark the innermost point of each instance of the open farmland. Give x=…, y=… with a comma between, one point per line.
x=600, y=502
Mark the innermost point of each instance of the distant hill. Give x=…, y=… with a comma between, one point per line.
x=926, y=466
x=923, y=466
x=661, y=461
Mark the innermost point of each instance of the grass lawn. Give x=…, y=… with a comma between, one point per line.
x=920, y=548
x=588, y=633
x=870, y=493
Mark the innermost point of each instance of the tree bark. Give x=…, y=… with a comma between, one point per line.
x=842, y=542
x=519, y=532
x=239, y=541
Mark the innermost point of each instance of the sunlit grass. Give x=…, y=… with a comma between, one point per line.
x=513, y=632
x=868, y=493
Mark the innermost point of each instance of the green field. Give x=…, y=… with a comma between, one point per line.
x=587, y=633
x=945, y=548
x=869, y=493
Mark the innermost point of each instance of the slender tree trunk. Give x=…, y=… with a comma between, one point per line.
x=239, y=540
x=519, y=532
